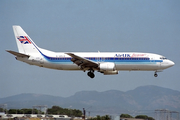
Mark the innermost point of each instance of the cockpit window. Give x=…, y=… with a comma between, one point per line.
x=163, y=58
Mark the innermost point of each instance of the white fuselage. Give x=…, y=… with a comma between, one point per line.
x=128, y=61
x=108, y=63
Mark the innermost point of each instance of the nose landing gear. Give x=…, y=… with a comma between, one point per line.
x=155, y=74
x=91, y=74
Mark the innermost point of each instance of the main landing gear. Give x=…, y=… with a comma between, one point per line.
x=91, y=74
x=155, y=74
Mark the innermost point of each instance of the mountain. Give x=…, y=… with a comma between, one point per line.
x=27, y=100
x=111, y=101
x=153, y=97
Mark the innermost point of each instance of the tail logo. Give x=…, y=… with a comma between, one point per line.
x=24, y=39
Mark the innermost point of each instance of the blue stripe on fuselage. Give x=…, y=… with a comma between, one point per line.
x=117, y=60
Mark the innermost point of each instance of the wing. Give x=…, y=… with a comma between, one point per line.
x=17, y=54
x=83, y=62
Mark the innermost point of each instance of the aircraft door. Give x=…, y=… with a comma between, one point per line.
x=152, y=59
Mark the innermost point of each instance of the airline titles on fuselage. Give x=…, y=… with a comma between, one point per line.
x=129, y=55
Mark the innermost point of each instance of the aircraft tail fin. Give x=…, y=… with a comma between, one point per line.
x=24, y=42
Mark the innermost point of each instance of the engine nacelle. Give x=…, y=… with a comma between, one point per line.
x=111, y=72
x=107, y=66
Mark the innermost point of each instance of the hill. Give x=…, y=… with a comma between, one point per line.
x=111, y=101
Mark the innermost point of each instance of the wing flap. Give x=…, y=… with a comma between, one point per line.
x=80, y=61
x=17, y=54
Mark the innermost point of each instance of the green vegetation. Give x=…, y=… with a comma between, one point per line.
x=23, y=111
x=1, y=110
x=125, y=116
x=138, y=116
x=144, y=117
x=20, y=111
x=56, y=110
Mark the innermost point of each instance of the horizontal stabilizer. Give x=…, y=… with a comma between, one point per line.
x=17, y=54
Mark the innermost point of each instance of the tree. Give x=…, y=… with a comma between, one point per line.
x=1, y=109
x=98, y=117
x=150, y=118
x=125, y=116
x=142, y=116
x=106, y=117
x=12, y=111
x=77, y=113
x=22, y=111
x=64, y=111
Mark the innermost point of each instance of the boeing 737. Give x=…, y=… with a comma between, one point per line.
x=108, y=63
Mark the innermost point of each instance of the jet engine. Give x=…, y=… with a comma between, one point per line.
x=107, y=66
x=111, y=72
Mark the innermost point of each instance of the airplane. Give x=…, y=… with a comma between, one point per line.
x=108, y=63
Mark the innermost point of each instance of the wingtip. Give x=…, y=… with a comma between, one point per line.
x=7, y=50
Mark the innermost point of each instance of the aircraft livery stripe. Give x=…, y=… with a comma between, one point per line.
x=117, y=60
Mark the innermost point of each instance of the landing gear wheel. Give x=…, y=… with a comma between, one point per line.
x=155, y=75
x=91, y=74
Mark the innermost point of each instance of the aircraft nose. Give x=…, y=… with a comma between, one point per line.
x=171, y=63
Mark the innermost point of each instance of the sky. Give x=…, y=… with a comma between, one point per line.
x=151, y=26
